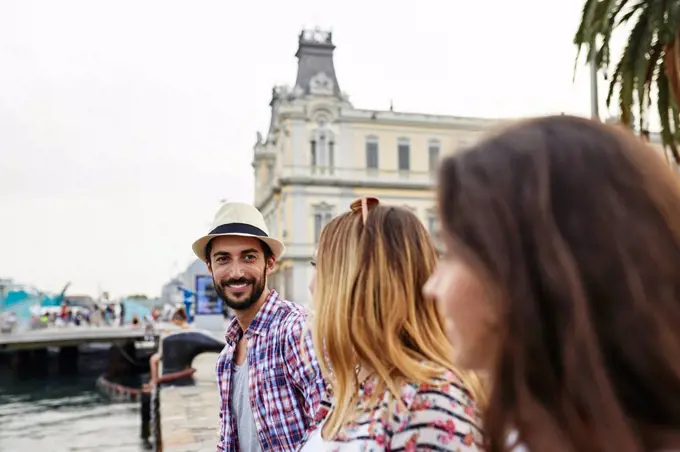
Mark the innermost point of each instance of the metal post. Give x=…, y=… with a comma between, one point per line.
x=155, y=420
x=594, y=98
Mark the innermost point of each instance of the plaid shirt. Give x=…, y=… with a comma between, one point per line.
x=285, y=387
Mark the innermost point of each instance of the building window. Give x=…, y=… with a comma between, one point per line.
x=321, y=219
x=323, y=149
x=331, y=155
x=433, y=224
x=323, y=213
x=433, y=152
x=404, y=154
x=372, y=153
x=313, y=153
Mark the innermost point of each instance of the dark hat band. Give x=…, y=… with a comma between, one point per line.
x=238, y=228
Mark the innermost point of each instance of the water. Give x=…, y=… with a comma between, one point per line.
x=60, y=414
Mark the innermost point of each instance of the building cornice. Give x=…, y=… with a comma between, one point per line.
x=304, y=181
x=377, y=117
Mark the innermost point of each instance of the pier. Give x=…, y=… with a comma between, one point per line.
x=27, y=350
x=71, y=336
x=189, y=415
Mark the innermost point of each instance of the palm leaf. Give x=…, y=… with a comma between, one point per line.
x=614, y=11
x=631, y=57
x=665, y=113
x=651, y=58
x=672, y=66
x=585, y=34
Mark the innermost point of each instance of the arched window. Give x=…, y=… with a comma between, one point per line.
x=323, y=213
x=322, y=149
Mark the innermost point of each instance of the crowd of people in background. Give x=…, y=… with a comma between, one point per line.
x=108, y=314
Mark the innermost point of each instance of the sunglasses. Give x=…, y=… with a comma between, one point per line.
x=364, y=204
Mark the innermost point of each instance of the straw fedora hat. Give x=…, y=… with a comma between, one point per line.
x=236, y=218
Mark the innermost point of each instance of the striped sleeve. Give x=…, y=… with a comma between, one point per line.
x=303, y=367
x=439, y=419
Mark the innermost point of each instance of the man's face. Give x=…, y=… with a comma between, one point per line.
x=239, y=270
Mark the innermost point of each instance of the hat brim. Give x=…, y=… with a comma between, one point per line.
x=199, y=245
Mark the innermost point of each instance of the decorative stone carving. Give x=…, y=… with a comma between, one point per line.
x=323, y=206
x=322, y=120
x=283, y=94
x=317, y=36
x=321, y=84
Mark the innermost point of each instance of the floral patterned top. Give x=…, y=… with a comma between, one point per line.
x=441, y=417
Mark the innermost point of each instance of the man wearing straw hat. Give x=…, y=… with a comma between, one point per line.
x=269, y=379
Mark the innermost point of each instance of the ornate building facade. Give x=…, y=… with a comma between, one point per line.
x=320, y=153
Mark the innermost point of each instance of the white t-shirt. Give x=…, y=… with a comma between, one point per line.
x=315, y=442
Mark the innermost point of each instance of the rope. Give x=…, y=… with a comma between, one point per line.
x=128, y=358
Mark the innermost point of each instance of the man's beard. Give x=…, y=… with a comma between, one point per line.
x=256, y=287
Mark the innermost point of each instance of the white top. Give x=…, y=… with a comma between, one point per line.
x=315, y=442
x=245, y=421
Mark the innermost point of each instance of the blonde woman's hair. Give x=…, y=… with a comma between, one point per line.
x=369, y=309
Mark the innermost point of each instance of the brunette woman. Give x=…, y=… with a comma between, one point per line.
x=562, y=282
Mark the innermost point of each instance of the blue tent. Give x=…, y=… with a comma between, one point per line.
x=133, y=308
x=20, y=299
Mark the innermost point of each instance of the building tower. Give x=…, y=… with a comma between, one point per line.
x=320, y=153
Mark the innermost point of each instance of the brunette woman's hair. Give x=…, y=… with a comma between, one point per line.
x=576, y=226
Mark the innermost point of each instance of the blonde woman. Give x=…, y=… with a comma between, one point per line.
x=388, y=364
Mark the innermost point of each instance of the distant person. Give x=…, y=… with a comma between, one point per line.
x=122, y=313
x=96, y=318
x=12, y=319
x=108, y=314
x=180, y=317
x=269, y=379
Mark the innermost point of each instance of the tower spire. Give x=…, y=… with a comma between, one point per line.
x=316, y=71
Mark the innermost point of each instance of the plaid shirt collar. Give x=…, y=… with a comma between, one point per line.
x=260, y=323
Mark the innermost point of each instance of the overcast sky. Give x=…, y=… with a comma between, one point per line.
x=124, y=123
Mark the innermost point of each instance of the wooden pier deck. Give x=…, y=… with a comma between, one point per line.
x=190, y=414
